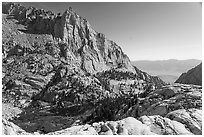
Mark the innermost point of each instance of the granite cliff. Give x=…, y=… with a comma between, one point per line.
x=56, y=48
x=94, y=51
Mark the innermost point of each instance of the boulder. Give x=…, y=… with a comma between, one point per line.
x=191, y=118
x=133, y=126
x=164, y=126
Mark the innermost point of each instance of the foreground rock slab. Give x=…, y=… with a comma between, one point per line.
x=191, y=118
x=164, y=126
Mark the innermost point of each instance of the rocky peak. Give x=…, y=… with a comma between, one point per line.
x=75, y=37
x=93, y=51
x=70, y=27
x=98, y=52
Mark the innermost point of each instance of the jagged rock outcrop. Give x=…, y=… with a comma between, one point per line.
x=193, y=76
x=37, y=20
x=95, y=51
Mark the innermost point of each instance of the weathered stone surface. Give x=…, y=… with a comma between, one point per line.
x=191, y=118
x=170, y=98
x=134, y=127
x=94, y=48
x=76, y=130
x=164, y=126
x=193, y=76
x=127, y=126
x=8, y=128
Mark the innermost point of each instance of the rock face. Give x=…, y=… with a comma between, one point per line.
x=193, y=76
x=50, y=51
x=95, y=52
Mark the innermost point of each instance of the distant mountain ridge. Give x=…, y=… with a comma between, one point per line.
x=167, y=70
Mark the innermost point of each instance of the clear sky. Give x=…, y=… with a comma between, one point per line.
x=145, y=31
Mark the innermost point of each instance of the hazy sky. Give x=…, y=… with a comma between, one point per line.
x=145, y=31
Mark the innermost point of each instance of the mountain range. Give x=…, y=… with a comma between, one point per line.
x=167, y=70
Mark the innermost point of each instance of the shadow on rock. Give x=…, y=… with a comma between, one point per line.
x=29, y=31
x=48, y=118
